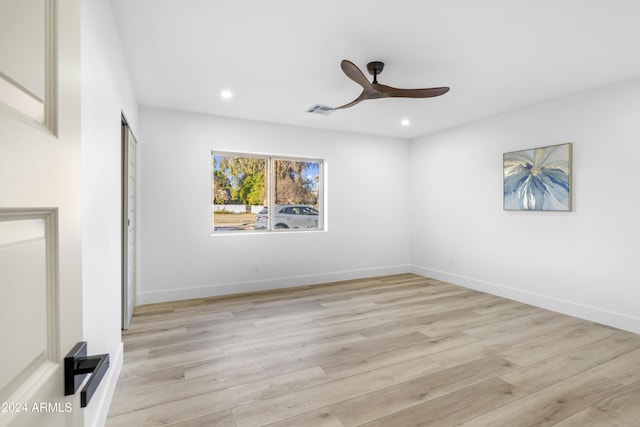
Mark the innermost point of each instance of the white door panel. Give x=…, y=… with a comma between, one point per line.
x=26, y=57
x=31, y=377
x=23, y=275
x=40, y=211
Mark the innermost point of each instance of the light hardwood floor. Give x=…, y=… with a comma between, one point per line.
x=392, y=351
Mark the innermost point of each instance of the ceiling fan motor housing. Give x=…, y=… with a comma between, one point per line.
x=375, y=67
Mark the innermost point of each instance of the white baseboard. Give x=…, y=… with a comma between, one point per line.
x=263, y=285
x=101, y=401
x=593, y=314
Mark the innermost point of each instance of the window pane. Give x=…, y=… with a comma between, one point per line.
x=296, y=194
x=245, y=188
x=238, y=185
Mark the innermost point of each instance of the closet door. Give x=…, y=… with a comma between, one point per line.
x=128, y=226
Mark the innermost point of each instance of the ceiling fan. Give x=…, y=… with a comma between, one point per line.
x=375, y=90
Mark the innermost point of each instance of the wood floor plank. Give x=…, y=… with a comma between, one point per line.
x=345, y=354
x=453, y=408
x=166, y=335
x=623, y=404
x=319, y=418
x=369, y=360
x=185, y=388
x=177, y=319
x=177, y=411
x=497, y=344
x=624, y=369
x=171, y=360
x=549, y=371
x=535, y=320
x=219, y=419
x=228, y=336
x=591, y=417
x=540, y=350
x=312, y=398
x=294, y=313
x=166, y=350
x=550, y=405
x=379, y=404
x=395, y=351
x=302, y=350
x=303, y=341
x=473, y=319
x=132, y=383
x=401, y=323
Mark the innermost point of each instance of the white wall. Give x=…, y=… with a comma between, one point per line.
x=106, y=92
x=179, y=258
x=580, y=263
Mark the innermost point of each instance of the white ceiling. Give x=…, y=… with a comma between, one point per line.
x=280, y=57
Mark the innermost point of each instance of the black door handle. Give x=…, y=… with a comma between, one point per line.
x=77, y=365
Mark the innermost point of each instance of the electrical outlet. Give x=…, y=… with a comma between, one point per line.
x=257, y=267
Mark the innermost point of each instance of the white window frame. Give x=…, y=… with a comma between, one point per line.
x=271, y=190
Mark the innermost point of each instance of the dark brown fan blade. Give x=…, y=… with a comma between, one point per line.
x=375, y=90
x=354, y=73
x=389, y=91
x=359, y=99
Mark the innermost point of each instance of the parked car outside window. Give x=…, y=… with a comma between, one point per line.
x=288, y=216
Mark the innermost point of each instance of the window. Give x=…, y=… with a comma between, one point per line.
x=263, y=193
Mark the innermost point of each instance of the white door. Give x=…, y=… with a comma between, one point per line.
x=129, y=225
x=40, y=207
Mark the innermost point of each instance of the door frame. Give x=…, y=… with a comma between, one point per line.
x=126, y=315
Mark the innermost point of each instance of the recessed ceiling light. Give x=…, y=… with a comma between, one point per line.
x=226, y=94
x=405, y=122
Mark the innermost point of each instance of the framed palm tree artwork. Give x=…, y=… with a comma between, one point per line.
x=538, y=179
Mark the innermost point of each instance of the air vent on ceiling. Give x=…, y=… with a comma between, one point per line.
x=320, y=109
